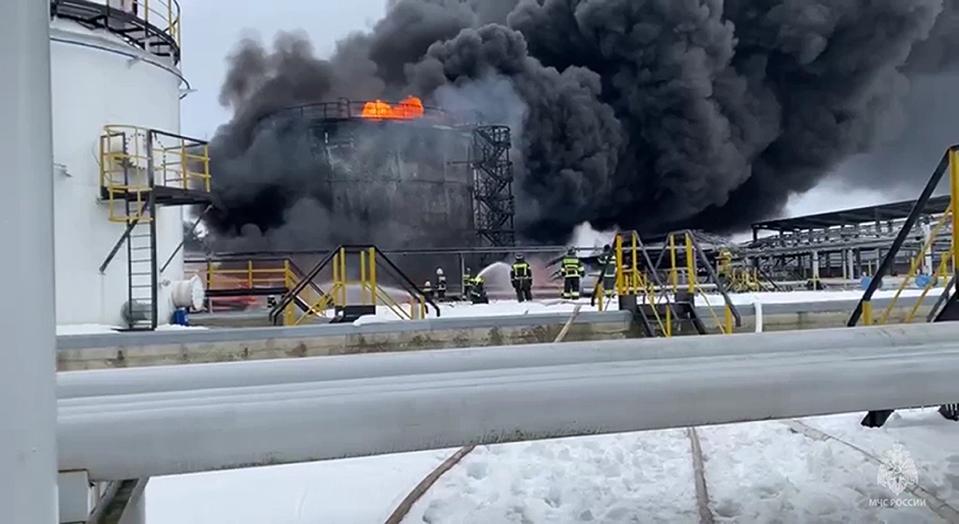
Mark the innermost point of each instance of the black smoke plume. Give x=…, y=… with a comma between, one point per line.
x=645, y=114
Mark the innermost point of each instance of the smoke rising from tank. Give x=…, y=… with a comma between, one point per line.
x=644, y=114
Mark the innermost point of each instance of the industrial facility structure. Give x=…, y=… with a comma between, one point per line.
x=123, y=172
x=847, y=244
x=124, y=176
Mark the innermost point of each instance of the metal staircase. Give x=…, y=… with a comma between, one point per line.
x=660, y=303
x=140, y=171
x=494, y=206
x=357, y=270
x=946, y=309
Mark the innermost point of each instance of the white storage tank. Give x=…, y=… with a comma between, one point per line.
x=113, y=62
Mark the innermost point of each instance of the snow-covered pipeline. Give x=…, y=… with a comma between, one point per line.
x=357, y=406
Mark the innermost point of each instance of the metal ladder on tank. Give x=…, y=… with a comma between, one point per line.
x=140, y=311
x=142, y=279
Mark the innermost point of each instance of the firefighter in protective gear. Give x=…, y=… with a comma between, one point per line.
x=521, y=275
x=607, y=264
x=572, y=271
x=428, y=290
x=440, y=284
x=478, y=291
x=467, y=284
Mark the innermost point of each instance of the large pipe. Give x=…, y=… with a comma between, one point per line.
x=184, y=379
x=389, y=413
x=27, y=359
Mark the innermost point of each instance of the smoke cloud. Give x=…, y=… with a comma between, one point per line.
x=646, y=114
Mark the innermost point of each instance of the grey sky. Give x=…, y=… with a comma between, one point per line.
x=212, y=27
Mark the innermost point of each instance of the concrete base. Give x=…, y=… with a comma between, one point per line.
x=814, y=315
x=81, y=352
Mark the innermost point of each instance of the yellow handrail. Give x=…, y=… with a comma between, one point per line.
x=719, y=323
x=915, y=264
x=690, y=264
x=954, y=206
x=937, y=274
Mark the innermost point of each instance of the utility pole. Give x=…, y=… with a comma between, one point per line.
x=28, y=454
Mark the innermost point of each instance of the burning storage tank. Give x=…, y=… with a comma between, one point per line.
x=316, y=176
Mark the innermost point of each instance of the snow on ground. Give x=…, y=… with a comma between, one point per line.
x=764, y=472
x=85, y=329
x=792, y=297
x=590, y=479
x=556, y=305
x=100, y=329
x=756, y=472
x=496, y=308
x=348, y=491
x=927, y=437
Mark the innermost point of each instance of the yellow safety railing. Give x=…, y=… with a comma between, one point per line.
x=368, y=285
x=182, y=163
x=726, y=325
x=249, y=276
x=946, y=268
x=134, y=160
x=656, y=299
x=628, y=277
x=162, y=14
x=915, y=266
x=630, y=280
x=123, y=173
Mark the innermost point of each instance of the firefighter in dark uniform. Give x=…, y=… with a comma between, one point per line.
x=440, y=284
x=521, y=275
x=607, y=264
x=572, y=271
x=467, y=284
x=478, y=291
x=428, y=290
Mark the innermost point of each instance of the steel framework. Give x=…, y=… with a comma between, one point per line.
x=494, y=207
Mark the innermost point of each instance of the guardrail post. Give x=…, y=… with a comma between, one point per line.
x=690, y=263
x=374, y=287
x=867, y=312
x=673, y=270
x=669, y=319
x=953, y=207
x=620, y=277
x=363, y=281
x=344, y=280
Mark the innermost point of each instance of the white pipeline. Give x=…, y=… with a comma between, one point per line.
x=449, y=401
x=186, y=378
x=27, y=362
x=758, y=306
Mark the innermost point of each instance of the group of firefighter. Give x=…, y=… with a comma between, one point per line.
x=571, y=269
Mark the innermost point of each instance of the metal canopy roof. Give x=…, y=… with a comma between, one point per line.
x=851, y=217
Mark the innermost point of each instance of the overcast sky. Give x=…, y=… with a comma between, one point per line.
x=212, y=27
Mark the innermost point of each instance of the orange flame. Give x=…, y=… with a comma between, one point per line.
x=410, y=108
